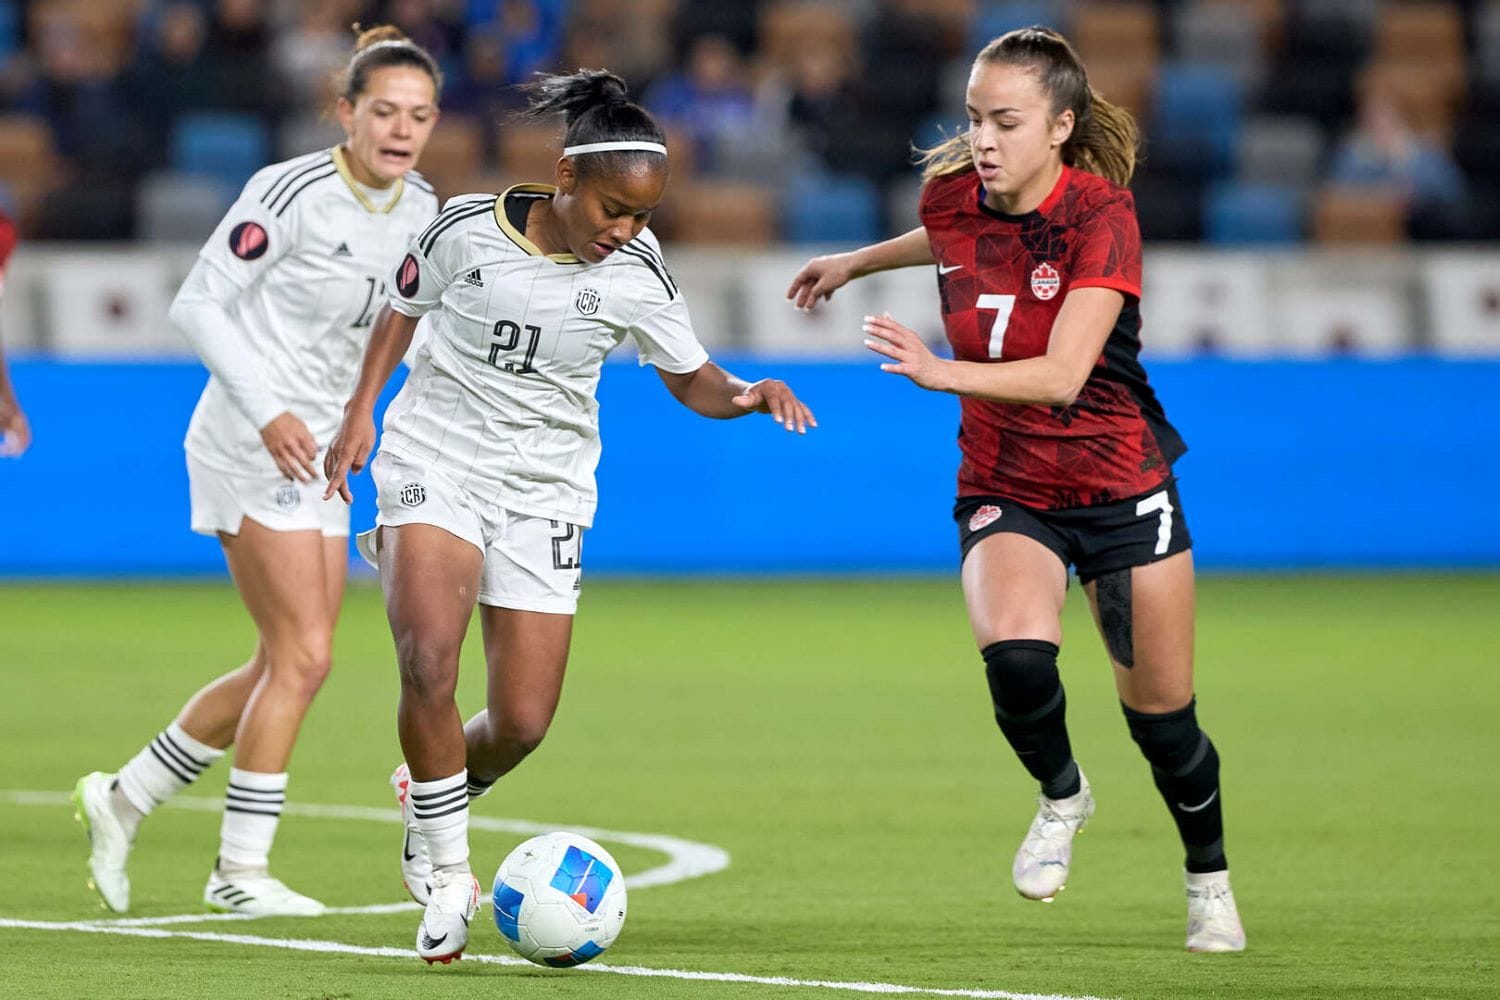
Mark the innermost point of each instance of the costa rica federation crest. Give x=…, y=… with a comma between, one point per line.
x=587, y=301
x=1045, y=281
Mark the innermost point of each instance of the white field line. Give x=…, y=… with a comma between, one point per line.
x=405, y=954
x=686, y=859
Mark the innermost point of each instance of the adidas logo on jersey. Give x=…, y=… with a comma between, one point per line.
x=474, y=279
x=342, y=250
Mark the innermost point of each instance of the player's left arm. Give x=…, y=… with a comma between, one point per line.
x=15, y=431
x=713, y=392
x=1079, y=333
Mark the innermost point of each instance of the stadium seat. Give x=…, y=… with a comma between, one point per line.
x=831, y=208
x=1420, y=31
x=10, y=31
x=454, y=152
x=1197, y=116
x=723, y=212
x=1211, y=32
x=995, y=19
x=1357, y=215
x=1280, y=149
x=27, y=150
x=225, y=147
x=903, y=199
x=1239, y=213
x=530, y=151
x=306, y=133
x=1103, y=31
x=788, y=26
x=1126, y=81
x=179, y=208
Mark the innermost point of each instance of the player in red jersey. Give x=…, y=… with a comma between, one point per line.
x=15, y=432
x=1067, y=455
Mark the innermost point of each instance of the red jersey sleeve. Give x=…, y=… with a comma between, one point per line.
x=7, y=244
x=1108, y=252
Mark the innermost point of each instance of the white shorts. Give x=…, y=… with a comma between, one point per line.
x=530, y=563
x=221, y=501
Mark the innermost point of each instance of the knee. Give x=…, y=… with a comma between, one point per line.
x=1170, y=741
x=1023, y=678
x=301, y=664
x=429, y=669
x=524, y=732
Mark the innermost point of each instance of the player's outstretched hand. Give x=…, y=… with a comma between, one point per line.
x=15, y=432
x=773, y=396
x=292, y=445
x=819, y=278
x=909, y=355
x=347, y=455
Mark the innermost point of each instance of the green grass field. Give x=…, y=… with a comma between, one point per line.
x=835, y=738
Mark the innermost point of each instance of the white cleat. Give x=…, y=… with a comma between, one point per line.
x=416, y=868
x=257, y=895
x=1040, y=870
x=109, y=843
x=444, y=931
x=1213, y=922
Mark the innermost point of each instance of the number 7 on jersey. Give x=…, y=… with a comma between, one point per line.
x=1002, y=304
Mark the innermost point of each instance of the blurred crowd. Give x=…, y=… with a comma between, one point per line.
x=1267, y=121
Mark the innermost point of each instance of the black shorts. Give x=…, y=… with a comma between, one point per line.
x=1096, y=540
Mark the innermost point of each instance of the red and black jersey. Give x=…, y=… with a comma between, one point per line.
x=1003, y=279
x=7, y=244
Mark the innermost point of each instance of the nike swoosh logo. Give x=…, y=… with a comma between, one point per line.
x=1200, y=806
x=406, y=852
x=429, y=942
x=951, y=267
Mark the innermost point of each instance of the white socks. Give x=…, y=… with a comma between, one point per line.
x=252, y=808
x=442, y=817
x=164, y=767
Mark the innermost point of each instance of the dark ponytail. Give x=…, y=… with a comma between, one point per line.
x=597, y=108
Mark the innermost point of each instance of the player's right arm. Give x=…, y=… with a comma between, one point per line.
x=351, y=446
x=821, y=276
x=418, y=285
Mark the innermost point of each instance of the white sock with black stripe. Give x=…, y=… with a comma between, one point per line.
x=441, y=808
x=164, y=767
x=252, y=808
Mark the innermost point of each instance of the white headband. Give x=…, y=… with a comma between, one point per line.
x=615, y=147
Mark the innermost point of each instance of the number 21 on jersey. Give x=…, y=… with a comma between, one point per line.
x=1002, y=304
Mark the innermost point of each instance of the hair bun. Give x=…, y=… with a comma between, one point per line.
x=376, y=35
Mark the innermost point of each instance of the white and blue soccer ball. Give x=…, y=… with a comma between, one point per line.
x=559, y=900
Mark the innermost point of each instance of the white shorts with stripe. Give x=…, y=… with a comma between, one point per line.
x=221, y=501
x=530, y=563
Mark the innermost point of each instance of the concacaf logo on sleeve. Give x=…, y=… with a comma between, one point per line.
x=248, y=240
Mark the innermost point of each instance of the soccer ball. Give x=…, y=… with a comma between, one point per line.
x=559, y=900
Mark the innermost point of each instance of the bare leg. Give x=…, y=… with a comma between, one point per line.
x=431, y=581
x=527, y=654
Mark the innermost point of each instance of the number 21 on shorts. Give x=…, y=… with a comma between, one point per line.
x=1002, y=304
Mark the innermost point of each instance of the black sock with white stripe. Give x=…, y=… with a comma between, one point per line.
x=252, y=809
x=478, y=788
x=441, y=808
x=164, y=767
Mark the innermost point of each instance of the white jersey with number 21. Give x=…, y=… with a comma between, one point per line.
x=501, y=397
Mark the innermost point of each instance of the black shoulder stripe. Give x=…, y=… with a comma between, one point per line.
x=289, y=178
x=286, y=200
x=428, y=241
x=444, y=216
x=646, y=248
x=660, y=272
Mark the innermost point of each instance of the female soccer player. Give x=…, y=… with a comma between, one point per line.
x=1067, y=455
x=279, y=307
x=486, y=471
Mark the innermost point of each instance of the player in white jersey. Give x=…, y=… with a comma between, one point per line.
x=279, y=306
x=486, y=470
